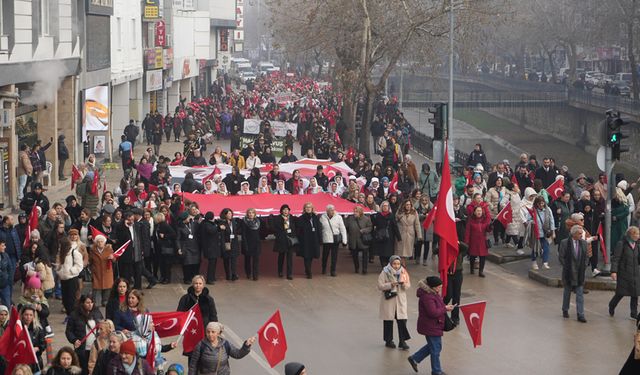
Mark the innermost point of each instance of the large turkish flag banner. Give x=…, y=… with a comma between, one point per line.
x=272, y=340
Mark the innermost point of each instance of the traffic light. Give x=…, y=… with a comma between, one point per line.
x=615, y=134
x=439, y=120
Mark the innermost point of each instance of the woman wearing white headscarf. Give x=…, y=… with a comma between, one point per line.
x=393, y=282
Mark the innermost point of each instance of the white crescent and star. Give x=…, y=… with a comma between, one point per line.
x=20, y=343
x=266, y=329
x=449, y=204
x=474, y=316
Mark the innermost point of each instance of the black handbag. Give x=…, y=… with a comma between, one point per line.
x=337, y=238
x=449, y=325
x=366, y=238
x=389, y=294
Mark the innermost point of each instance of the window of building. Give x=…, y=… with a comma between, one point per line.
x=44, y=18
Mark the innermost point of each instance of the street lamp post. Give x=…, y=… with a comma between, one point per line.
x=450, y=109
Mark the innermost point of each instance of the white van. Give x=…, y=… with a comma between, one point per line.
x=264, y=67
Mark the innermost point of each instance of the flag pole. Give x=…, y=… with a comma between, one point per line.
x=472, y=303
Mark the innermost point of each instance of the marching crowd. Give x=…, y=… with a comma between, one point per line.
x=93, y=251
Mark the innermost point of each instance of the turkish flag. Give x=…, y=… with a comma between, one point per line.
x=506, y=215
x=209, y=177
x=153, y=187
x=32, y=224
x=445, y=223
x=75, y=175
x=11, y=333
x=474, y=316
x=556, y=189
x=602, y=245
x=272, y=340
x=96, y=181
x=21, y=352
x=393, y=184
x=193, y=329
x=429, y=219
x=169, y=324
x=118, y=253
x=151, y=353
x=514, y=180
x=95, y=232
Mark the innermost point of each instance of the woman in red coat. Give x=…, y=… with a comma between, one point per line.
x=477, y=227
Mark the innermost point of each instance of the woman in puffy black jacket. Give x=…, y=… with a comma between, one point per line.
x=29, y=318
x=82, y=320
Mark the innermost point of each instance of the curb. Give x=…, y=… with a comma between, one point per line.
x=498, y=258
x=589, y=283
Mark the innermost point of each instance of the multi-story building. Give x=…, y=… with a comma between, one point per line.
x=41, y=44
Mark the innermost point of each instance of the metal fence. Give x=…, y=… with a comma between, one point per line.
x=623, y=104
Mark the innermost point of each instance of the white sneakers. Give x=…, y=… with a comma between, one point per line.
x=534, y=266
x=545, y=265
x=520, y=252
x=595, y=272
x=509, y=245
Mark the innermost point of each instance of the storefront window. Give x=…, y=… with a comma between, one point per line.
x=27, y=125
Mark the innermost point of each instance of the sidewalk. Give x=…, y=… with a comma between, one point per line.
x=552, y=277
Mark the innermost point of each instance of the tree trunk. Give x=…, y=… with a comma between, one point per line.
x=573, y=65
x=552, y=65
x=632, y=55
x=349, y=117
x=365, y=127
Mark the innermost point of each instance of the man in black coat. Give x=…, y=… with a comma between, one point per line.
x=547, y=173
x=131, y=132
x=209, y=238
x=63, y=156
x=131, y=263
x=477, y=156
x=572, y=254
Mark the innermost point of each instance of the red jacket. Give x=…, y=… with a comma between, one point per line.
x=475, y=235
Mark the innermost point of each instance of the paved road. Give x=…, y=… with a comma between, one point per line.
x=332, y=323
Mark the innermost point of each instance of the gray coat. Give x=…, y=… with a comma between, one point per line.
x=624, y=262
x=573, y=267
x=355, y=228
x=207, y=359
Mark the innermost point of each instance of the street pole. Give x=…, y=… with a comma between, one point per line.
x=401, y=85
x=608, y=167
x=450, y=109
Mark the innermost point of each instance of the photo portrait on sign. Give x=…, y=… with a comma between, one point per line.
x=99, y=144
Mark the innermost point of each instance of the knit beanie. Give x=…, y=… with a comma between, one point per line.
x=433, y=281
x=128, y=347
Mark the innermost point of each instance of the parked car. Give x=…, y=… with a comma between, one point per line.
x=620, y=88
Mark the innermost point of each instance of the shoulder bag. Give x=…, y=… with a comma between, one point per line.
x=367, y=238
x=449, y=325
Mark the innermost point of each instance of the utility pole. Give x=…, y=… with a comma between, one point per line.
x=450, y=107
x=400, y=97
x=611, y=186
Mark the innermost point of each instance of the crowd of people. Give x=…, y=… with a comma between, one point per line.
x=73, y=253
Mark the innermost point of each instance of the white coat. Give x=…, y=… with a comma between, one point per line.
x=336, y=224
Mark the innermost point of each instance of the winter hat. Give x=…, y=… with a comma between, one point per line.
x=33, y=282
x=624, y=185
x=74, y=231
x=128, y=347
x=293, y=368
x=4, y=308
x=433, y=281
x=183, y=216
x=99, y=237
x=177, y=368
x=209, y=216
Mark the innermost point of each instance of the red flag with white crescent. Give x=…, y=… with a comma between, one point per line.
x=556, y=189
x=11, y=333
x=603, y=248
x=193, y=329
x=445, y=223
x=95, y=183
x=506, y=215
x=118, y=253
x=32, y=224
x=151, y=353
x=169, y=324
x=429, y=219
x=393, y=184
x=75, y=175
x=272, y=340
x=474, y=316
x=21, y=352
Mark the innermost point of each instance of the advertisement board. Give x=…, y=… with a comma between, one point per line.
x=153, y=80
x=96, y=109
